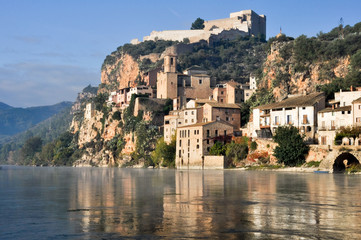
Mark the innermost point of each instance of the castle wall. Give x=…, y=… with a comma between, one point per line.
x=176, y=35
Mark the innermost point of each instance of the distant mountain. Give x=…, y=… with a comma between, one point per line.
x=16, y=120
x=4, y=106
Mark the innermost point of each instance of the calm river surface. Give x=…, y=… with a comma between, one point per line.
x=110, y=203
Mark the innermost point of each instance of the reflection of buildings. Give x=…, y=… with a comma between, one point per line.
x=143, y=203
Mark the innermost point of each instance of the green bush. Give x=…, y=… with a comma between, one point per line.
x=253, y=146
x=291, y=149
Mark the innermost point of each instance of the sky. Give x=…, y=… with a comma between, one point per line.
x=50, y=50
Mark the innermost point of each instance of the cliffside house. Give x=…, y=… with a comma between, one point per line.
x=194, y=142
x=345, y=111
x=227, y=112
x=331, y=120
x=144, y=90
x=89, y=111
x=232, y=92
x=180, y=118
x=299, y=111
x=119, y=97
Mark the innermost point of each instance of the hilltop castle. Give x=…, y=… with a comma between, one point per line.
x=243, y=23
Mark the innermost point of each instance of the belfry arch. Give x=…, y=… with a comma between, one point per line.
x=339, y=164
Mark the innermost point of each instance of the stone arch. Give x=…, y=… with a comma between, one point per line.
x=339, y=166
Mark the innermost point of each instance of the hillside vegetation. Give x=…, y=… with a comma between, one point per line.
x=16, y=120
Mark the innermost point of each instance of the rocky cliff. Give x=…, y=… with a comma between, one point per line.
x=283, y=74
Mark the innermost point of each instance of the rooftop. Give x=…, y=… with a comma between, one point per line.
x=357, y=100
x=346, y=108
x=299, y=101
x=223, y=105
x=206, y=123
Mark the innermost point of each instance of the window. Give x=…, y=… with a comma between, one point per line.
x=197, y=140
x=343, y=112
x=192, y=112
x=195, y=132
x=358, y=119
x=192, y=120
x=179, y=153
x=333, y=127
x=208, y=133
x=197, y=146
x=166, y=122
x=227, y=118
x=289, y=119
x=218, y=118
x=225, y=132
x=348, y=112
x=207, y=141
x=359, y=106
x=189, y=133
x=277, y=118
x=216, y=132
x=186, y=113
x=221, y=99
x=189, y=143
x=186, y=121
x=305, y=121
x=303, y=108
x=208, y=149
x=221, y=92
x=200, y=81
x=171, y=61
x=180, y=143
x=323, y=124
x=308, y=128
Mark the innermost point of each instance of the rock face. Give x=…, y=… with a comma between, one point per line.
x=123, y=73
x=280, y=72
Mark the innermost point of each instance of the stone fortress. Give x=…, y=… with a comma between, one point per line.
x=243, y=23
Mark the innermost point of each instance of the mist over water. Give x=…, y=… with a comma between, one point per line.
x=106, y=203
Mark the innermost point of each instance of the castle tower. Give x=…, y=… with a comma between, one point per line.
x=170, y=63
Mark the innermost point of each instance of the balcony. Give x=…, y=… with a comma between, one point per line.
x=264, y=126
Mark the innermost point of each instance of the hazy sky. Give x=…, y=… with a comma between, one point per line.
x=50, y=50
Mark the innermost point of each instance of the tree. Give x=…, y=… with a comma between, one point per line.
x=164, y=153
x=198, y=24
x=236, y=152
x=218, y=149
x=291, y=149
x=31, y=146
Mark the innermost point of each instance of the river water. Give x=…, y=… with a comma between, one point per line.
x=110, y=203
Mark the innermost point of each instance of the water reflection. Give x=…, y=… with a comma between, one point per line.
x=95, y=203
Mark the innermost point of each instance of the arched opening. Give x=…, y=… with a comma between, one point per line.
x=339, y=165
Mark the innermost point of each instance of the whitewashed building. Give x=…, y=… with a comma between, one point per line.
x=299, y=111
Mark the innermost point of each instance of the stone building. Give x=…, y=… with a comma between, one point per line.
x=227, y=112
x=299, y=111
x=194, y=142
x=182, y=87
x=89, y=111
x=243, y=23
x=232, y=92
